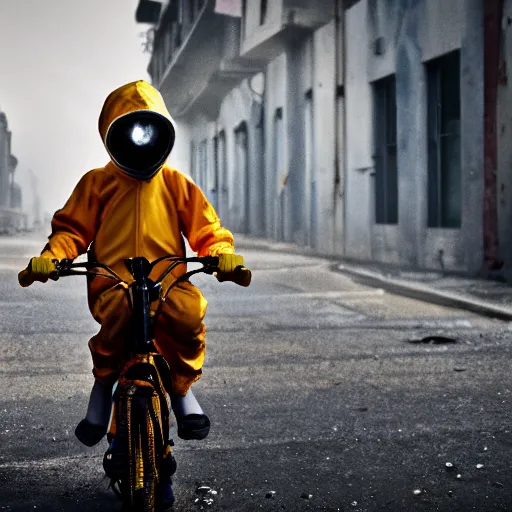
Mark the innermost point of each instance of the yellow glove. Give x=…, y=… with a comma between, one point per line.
x=228, y=263
x=39, y=269
x=231, y=268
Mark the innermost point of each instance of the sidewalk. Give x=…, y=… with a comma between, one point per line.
x=485, y=297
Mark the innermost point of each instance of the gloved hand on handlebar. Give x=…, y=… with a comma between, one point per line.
x=231, y=268
x=229, y=262
x=38, y=269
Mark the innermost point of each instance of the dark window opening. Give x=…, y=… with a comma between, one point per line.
x=215, y=182
x=203, y=152
x=444, y=163
x=193, y=164
x=278, y=161
x=191, y=8
x=222, y=176
x=242, y=174
x=386, y=167
x=263, y=11
x=244, y=19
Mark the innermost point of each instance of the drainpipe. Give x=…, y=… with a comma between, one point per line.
x=337, y=93
x=493, y=10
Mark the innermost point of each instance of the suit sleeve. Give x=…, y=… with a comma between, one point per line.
x=199, y=220
x=74, y=226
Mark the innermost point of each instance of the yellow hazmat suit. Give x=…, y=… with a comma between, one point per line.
x=125, y=217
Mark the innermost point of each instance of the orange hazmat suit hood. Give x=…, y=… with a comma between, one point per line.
x=137, y=130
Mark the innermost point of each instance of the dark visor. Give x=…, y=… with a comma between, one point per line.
x=140, y=142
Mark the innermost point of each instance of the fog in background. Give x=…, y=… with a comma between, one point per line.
x=59, y=59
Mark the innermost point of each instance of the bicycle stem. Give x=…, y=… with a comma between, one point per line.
x=141, y=303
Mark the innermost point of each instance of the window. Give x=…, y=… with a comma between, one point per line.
x=215, y=179
x=242, y=174
x=203, y=165
x=386, y=169
x=244, y=18
x=263, y=11
x=309, y=145
x=221, y=161
x=191, y=11
x=444, y=164
x=278, y=156
x=193, y=163
x=222, y=174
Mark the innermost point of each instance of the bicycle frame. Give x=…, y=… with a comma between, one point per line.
x=144, y=291
x=140, y=419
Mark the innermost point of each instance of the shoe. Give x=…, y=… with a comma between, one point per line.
x=89, y=434
x=166, y=497
x=193, y=426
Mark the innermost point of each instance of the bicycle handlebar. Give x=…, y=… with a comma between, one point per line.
x=241, y=276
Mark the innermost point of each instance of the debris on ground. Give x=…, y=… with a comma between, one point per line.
x=434, y=340
x=207, y=494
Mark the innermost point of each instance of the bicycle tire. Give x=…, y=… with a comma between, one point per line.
x=142, y=425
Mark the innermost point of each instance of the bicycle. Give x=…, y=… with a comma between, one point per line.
x=139, y=458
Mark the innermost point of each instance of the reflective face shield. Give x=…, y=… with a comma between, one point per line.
x=140, y=142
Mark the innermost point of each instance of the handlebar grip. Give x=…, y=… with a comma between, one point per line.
x=54, y=276
x=25, y=278
x=241, y=276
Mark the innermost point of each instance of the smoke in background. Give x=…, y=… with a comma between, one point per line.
x=58, y=61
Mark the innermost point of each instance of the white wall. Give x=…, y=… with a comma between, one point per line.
x=359, y=135
x=180, y=154
x=442, y=26
x=253, y=31
x=410, y=35
x=324, y=97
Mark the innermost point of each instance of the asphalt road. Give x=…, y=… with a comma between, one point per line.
x=317, y=397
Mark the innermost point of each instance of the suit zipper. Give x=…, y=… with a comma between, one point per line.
x=137, y=222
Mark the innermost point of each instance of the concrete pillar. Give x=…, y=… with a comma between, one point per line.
x=324, y=97
x=472, y=128
x=257, y=170
x=504, y=175
x=411, y=135
x=296, y=172
x=358, y=212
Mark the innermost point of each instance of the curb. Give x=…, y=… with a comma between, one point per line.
x=281, y=247
x=425, y=293
x=392, y=285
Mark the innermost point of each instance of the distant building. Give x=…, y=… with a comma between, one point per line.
x=373, y=134
x=12, y=219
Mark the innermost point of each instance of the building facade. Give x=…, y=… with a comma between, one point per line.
x=12, y=218
x=375, y=130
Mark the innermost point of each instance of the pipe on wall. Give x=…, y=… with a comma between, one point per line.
x=338, y=200
x=493, y=11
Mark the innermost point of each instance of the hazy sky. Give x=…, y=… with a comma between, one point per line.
x=59, y=59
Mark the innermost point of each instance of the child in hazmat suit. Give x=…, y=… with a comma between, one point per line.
x=138, y=206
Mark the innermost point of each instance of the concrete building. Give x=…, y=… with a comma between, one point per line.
x=353, y=127
x=12, y=218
